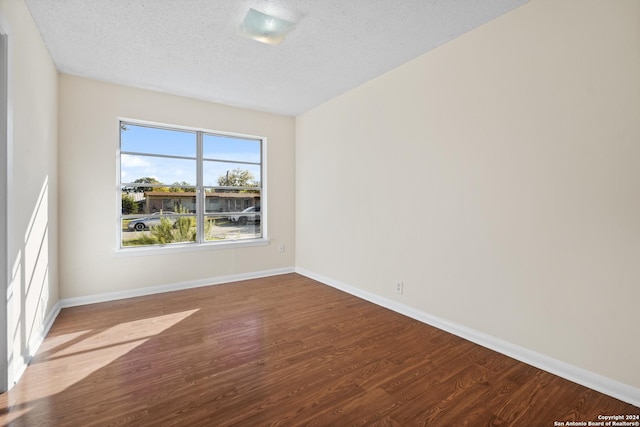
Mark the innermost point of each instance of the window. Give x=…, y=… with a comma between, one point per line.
x=188, y=187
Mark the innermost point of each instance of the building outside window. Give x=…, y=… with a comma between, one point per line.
x=182, y=187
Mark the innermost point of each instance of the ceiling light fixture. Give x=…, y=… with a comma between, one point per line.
x=265, y=28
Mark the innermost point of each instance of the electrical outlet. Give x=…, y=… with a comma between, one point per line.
x=399, y=287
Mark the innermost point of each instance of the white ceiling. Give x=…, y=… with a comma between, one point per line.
x=190, y=47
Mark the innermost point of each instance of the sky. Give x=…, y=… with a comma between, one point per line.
x=219, y=153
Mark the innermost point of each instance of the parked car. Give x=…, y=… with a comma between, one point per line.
x=251, y=214
x=140, y=224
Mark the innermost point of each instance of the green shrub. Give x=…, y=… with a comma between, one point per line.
x=163, y=232
x=129, y=205
x=184, y=230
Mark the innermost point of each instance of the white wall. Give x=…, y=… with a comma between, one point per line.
x=32, y=181
x=498, y=176
x=89, y=138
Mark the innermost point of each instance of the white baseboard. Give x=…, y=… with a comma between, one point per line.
x=572, y=373
x=34, y=344
x=132, y=293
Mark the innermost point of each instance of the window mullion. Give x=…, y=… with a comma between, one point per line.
x=200, y=195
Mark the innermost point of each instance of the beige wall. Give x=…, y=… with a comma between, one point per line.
x=89, y=136
x=32, y=182
x=498, y=176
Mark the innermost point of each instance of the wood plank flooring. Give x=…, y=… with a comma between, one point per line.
x=283, y=351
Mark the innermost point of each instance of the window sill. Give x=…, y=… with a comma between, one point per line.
x=192, y=247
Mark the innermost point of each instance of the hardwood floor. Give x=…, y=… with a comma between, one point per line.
x=283, y=350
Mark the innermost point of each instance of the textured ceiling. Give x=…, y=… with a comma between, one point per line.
x=191, y=47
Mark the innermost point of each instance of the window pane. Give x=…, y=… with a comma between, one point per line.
x=232, y=215
x=142, y=139
x=157, y=170
x=158, y=217
x=231, y=174
x=218, y=147
x=158, y=229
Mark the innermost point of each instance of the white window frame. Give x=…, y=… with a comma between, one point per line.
x=200, y=243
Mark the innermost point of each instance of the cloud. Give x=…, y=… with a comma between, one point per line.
x=128, y=161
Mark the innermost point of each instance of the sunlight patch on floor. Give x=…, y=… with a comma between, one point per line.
x=68, y=359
